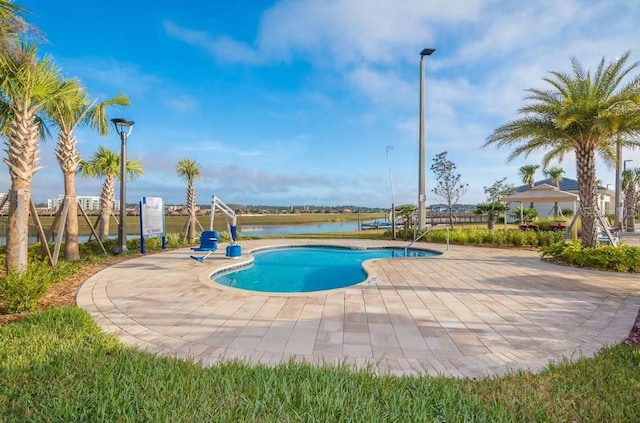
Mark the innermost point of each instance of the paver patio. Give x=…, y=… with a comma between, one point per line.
x=470, y=312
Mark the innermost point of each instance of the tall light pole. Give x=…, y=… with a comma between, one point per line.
x=618, y=198
x=624, y=165
x=393, y=196
x=123, y=127
x=422, y=197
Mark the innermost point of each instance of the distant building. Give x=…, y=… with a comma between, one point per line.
x=87, y=202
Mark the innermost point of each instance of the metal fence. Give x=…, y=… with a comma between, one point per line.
x=438, y=218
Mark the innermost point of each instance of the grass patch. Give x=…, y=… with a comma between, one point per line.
x=59, y=366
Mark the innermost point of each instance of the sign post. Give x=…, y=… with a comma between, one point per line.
x=151, y=221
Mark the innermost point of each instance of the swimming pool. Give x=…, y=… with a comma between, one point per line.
x=308, y=269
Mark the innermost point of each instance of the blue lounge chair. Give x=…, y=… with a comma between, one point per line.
x=208, y=242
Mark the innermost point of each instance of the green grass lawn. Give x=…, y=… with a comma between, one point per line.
x=58, y=365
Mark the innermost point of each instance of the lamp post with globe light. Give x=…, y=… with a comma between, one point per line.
x=123, y=128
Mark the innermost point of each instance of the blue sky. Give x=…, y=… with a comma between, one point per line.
x=295, y=101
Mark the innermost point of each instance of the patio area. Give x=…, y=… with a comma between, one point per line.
x=470, y=312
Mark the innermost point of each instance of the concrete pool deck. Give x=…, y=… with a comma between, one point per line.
x=470, y=312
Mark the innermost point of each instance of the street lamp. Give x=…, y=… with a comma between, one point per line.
x=422, y=197
x=123, y=127
x=393, y=196
x=617, y=223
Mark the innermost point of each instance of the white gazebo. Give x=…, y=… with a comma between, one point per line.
x=543, y=193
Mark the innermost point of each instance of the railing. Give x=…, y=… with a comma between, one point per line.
x=406, y=249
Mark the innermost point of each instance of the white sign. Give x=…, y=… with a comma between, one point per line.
x=152, y=216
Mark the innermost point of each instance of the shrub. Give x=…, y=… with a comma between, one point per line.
x=21, y=291
x=623, y=258
x=174, y=240
x=483, y=236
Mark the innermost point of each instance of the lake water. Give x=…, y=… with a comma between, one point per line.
x=307, y=228
x=259, y=230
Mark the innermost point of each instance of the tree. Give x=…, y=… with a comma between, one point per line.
x=406, y=212
x=448, y=185
x=492, y=210
x=555, y=174
x=631, y=187
x=499, y=190
x=105, y=163
x=74, y=110
x=189, y=170
x=495, y=205
x=12, y=25
x=583, y=114
x=527, y=172
x=28, y=85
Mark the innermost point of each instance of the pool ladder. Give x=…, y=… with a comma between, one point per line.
x=406, y=249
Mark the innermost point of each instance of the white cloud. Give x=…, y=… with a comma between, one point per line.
x=182, y=103
x=223, y=48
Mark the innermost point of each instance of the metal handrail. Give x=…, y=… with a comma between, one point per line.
x=406, y=249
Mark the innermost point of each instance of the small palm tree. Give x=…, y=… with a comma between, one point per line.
x=491, y=210
x=583, y=114
x=555, y=174
x=189, y=170
x=28, y=85
x=74, y=110
x=527, y=173
x=406, y=212
x=631, y=187
x=105, y=163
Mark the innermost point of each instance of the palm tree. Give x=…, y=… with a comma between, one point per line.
x=189, y=170
x=631, y=187
x=492, y=210
x=11, y=26
x=72, y=111
x=105, y=163
x=583, y=114
x=407, y=211
x=555, y=174
x=527, y=172
x=29, y=84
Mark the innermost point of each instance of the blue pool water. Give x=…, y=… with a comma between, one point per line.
x=306, y=269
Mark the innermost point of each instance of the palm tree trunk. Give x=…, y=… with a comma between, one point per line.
x=191, y=207
x=586, y=168
x=67, y=156
x=106, y=204
x=491, y=221
x=630, y=206
x=71, y=248
x=18, y=227
x=22, y=158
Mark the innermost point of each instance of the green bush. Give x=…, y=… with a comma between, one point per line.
x=21, y=291
x=623, y=258
x=500, y=237
x=174, y=240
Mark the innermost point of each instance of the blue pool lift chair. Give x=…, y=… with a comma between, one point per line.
x=208, y=242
